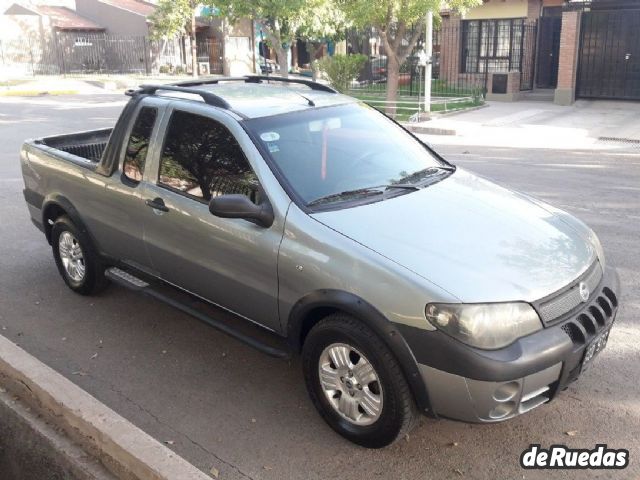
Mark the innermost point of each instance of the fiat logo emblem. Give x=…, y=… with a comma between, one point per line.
x=584, y=291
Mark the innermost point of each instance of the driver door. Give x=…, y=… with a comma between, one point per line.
x=229, y=262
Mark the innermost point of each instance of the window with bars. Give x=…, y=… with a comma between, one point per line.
x=492, y=45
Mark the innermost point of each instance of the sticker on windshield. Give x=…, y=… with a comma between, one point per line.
x=273, y=148
x=270, y=136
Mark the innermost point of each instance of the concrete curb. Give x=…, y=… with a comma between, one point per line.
x=460, y=111
x=415, y=128
x=429, y=130
x=30, y=448
x=123, y=448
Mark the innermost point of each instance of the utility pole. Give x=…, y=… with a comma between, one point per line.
x=194, y=47
x=428, y=50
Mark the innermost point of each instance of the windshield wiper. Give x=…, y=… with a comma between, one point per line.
x=417, y=178
x=363, y=192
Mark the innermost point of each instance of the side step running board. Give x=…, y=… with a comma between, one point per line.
x=132, y=282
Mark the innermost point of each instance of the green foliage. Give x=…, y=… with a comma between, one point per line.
x=172, y=17
x=322, y=20
x=399, y=23
x=280, y=11
x=279, y=18
x=385, y=13
x=342, y=69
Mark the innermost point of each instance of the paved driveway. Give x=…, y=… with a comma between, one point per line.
x=588, y=124
x=222, y=404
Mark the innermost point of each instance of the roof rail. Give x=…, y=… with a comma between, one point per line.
x=257, y=79
x=208, y=97
x=211, y=98
x=208, y=81
x=309, y=83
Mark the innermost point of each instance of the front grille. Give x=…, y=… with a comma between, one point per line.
x=534, y=399
x=582, y=328
x=574, y=332
x=566, y=301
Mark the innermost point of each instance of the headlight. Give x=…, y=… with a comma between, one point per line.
x=488, y=326
x=595, y=241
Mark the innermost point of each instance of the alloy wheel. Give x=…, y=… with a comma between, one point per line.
x=350, y=384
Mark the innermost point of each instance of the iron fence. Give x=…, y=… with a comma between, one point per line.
x=449, y=89
x=464, y=55
x=210, y=55
x=528, y=54
x=69, y=53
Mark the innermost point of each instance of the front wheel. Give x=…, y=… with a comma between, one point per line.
x=356, y=383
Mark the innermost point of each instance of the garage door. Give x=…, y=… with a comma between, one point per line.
x=609, y=58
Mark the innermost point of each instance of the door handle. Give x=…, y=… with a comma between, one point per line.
x=157, y=204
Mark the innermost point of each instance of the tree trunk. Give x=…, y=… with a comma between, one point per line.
x=294, y=55
x=273, y=34
x=396, y=56
x=313, y=49
x=283, y=62
x=393, y=75
x=194, y=48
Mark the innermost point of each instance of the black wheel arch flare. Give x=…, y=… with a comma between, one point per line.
x=304, y=315
x=60, y=202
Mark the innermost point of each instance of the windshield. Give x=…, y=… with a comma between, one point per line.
x=333, y=154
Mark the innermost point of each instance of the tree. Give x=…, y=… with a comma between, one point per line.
x=320, y=22
x=173, y=17
x=399, y=23
x=342, y=69
x=278, y=19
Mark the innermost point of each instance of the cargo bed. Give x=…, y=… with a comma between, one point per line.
x=83, y=148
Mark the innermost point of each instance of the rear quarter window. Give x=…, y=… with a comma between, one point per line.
x=138, y=144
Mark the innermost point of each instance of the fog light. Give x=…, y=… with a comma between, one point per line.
x=506, y=391
x=502, y=410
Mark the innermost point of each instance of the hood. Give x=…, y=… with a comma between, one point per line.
x=476, y=240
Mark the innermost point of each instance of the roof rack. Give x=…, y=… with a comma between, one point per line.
x=258, y=79
x=309, y=83
x=211, y=98
x=208, y=97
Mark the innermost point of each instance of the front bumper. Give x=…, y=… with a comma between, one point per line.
x=470, y=384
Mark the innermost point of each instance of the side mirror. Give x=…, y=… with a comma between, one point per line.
x=239, y=206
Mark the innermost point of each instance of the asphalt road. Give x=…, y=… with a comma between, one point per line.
x=221, y=404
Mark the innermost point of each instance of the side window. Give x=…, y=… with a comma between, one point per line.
x=203, y=159
x=138, y=144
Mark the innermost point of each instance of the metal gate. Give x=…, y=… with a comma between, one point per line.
x=210, y=52
x=609, y=58
x=549, y=49
x=528, y=55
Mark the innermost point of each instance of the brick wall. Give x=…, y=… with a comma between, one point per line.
x=513, y=87
x=534, y=9
x=450, y=38
x=568, y=50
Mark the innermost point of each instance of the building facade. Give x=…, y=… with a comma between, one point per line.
x=568, y=48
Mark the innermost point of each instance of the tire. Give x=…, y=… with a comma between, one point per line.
x=77, y=260
x=396, y=407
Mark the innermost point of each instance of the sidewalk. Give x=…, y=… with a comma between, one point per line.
x=588, y=124
x=83, y=85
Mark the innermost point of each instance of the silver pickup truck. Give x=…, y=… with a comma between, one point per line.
x=406, y=284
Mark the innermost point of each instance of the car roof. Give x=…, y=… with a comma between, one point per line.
x=255, y=98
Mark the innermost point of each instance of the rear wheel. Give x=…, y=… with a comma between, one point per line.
x=356, y=383
x=76, y=259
